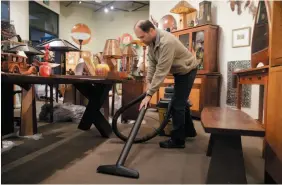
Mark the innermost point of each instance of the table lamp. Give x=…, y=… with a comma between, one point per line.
x=129, y=53
x=111, y=53
x=183, y=8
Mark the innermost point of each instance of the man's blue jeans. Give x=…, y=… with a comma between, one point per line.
x=181, y=118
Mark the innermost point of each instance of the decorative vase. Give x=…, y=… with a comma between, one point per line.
x=45, y=70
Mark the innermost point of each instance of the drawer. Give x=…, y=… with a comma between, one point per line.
x=253, y=79
x=195, y=99
x=198, y=81
x=169, y=81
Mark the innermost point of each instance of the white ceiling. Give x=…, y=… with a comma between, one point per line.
x=99, y=5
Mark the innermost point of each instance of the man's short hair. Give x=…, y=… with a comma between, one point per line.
x=145, y=25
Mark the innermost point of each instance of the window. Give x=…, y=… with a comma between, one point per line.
x=43, y=23
x=5, y=11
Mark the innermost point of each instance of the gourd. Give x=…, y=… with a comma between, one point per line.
x=102, y=69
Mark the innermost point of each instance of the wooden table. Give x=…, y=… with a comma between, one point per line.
x=254, y=76
x=95, y=89
x=226, y=127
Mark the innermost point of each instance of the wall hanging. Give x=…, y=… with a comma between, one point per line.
x=231, y=92
x=237, y=4
x=241, y=37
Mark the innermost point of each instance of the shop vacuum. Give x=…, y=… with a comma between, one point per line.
x=119, y=169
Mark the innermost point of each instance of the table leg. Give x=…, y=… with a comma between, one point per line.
x=113, y=100
x=28, y=111
x=51, y=103
x=261, y=98
x=227, y=161
x=239, y=95
x=96, y=95
x=7, y=109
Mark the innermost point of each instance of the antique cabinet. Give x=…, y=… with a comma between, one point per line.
x=202, y=42
x=273, y=138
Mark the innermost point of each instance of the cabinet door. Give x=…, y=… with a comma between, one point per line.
x=198, y=47
x=195, y=95
x=185, y=40
x=273, y=152
x=274, y=111
x=275, y=37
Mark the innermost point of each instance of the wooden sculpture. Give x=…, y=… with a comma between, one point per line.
x=14, y=63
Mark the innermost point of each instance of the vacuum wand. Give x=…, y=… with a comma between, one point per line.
x=132, y=135
x=119, y=169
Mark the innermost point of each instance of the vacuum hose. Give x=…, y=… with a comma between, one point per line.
x=149, y=135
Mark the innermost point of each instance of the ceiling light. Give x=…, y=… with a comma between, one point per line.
x=106, y=10
x=112, y=7
x=79, y=2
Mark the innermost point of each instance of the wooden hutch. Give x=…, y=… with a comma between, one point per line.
x=201, y=41
x=273, y=145
x=267, y=50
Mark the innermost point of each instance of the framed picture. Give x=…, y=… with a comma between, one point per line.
x=47, y=2
x=241, y=37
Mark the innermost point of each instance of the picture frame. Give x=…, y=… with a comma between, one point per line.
x=241, y=37
x=47, y=2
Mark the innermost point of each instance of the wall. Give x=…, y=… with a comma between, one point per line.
x=103, y=26
x=19, y=17
x=72, y=15
x=112, y=26
x=227, y=20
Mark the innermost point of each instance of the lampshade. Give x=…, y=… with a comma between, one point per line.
x=129, y=51
x=29, y=50
x=112, y=50
x=183, y=7
x=58, y=45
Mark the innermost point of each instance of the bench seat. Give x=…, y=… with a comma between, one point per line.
x=226, y=126
x=230, y=121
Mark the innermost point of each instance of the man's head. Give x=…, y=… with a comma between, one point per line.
x=145, y=31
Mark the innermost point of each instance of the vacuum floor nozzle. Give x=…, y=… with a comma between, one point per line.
x=118, y=170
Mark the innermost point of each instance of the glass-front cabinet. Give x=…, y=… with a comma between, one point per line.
x=185, y=40
x=202, y=42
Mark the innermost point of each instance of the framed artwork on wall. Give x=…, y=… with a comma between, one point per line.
x=47, y=2
x=241, y=37
x=231, y=98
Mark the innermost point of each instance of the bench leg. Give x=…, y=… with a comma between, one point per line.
x=227, y=161
x=209, y=151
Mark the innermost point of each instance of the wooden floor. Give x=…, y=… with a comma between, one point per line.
x=68, y=155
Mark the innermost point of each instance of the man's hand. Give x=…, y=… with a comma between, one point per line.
x=145, y=102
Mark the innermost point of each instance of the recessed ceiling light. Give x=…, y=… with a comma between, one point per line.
x=106, y=10
x=79, y=2
x=112, y=7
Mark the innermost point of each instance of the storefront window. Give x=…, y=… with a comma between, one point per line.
x=5, y=11
x=43, y=23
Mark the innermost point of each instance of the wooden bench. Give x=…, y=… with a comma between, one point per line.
x=226, y=127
